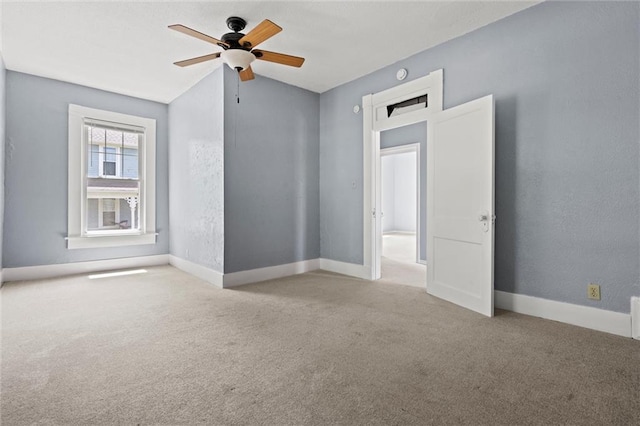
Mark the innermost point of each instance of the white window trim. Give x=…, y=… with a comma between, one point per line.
x=77, y=237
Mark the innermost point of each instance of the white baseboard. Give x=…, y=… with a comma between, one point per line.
x=61, y=269
x=583, y=316
x=635, y=317
x=234, y=279
x=207, y=274
x=239, y=278
x=397, y=231
x=351, y=269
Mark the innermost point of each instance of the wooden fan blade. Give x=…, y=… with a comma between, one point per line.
x=279, y=58
x=265, y=29
x=197, y=34
x=197, y=60
x=247, y=74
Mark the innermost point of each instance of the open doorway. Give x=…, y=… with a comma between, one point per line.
x=402, y=209
x=389, y=115
x=460, y=187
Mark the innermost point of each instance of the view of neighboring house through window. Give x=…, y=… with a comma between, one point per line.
x=112, y=184
x=111, y=179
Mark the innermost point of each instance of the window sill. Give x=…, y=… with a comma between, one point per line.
x=110, y=241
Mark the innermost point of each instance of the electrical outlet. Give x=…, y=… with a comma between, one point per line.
x=593, y=291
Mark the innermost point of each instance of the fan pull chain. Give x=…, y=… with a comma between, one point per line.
x=238, y=86
x=235, y=116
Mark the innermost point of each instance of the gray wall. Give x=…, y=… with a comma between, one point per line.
x=566, y=80
x=387, y=181
x=35, y=222
x=196, y=185
x=399, y=192
x=414, y=133
x=2, y=132
x=271, y=174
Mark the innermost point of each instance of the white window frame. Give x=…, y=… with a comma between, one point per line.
x=78, y=237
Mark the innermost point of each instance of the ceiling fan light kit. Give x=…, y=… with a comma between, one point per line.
x=238, y=53
x=237, y=59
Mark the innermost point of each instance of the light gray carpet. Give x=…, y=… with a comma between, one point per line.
x=394, y=272
x=317, y=348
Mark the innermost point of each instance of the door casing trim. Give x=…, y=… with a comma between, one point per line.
x=373, y=124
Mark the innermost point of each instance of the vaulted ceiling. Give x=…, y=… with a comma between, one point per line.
x=125, y=47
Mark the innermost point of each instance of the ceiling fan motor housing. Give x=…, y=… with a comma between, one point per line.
x=236, y=55
x=232, y=40
x=236, y=24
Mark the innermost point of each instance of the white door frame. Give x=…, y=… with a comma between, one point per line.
x=402, y=149
x=375, y=120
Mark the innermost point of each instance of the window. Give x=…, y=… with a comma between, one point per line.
x=112, y=184
x=111, y=179
x=407, y=106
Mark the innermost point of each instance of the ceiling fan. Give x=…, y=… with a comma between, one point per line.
x=239, y=49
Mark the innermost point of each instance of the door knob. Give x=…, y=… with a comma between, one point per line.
x=484, y=218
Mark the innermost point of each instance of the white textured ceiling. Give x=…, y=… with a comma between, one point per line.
x=125, y=47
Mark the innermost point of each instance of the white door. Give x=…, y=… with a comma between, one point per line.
x=460, y=200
